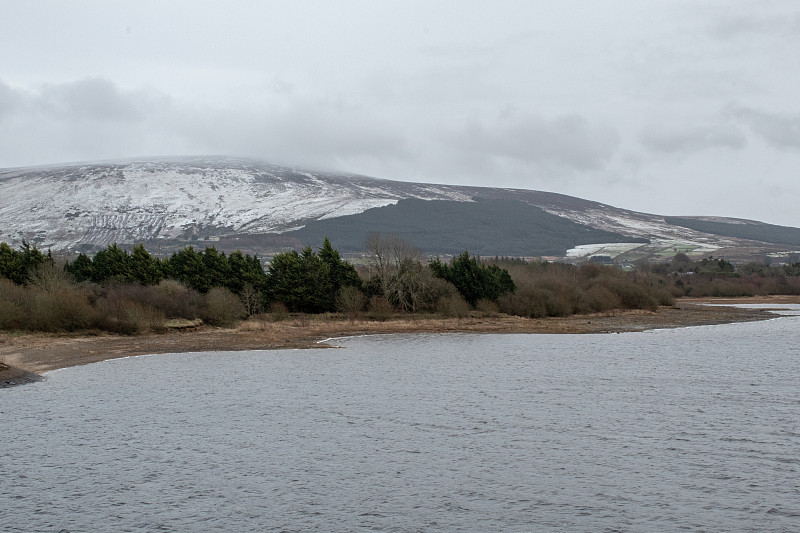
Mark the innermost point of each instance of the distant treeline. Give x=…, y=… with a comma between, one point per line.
x=133, y=291
x=720, y=278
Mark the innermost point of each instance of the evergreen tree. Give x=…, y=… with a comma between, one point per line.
x=304, y=282
x=80, y=269
x=11, y=266
x=215, y=263
x=473, y=280
x=187, y=266
x=342, y=273
x=245, y=270
x=19, y=265
x=113, y=263
x=285, y=280
x=319, y=294
x=144, y=268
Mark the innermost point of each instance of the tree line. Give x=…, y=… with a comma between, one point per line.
x=308, y=281
x=128, y=291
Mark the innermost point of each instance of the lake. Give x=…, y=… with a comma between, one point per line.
x=694, y=428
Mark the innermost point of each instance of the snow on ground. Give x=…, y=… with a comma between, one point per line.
x=612, y=249
x=97, y=204
x=165, y=198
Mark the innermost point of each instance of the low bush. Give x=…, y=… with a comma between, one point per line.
x=453, y=305
x=128, y=317
x=221, y=307
x=380, y=308
x=33, y=308
x=632, y=296
x=598, y=298
x=278, y=311
x=61, y=310
x=487, y=308
x=351, y=301
x=12, y=307
x=527, y=301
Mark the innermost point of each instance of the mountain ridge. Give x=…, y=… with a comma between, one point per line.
x=169, y=202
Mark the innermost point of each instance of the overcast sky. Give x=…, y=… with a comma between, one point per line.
x=671, y=107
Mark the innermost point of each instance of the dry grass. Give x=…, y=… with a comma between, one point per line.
x=40, y=352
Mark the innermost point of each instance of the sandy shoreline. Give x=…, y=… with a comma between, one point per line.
x=24, y=357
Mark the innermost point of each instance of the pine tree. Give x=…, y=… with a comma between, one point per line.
x=80, y=269
x=113, y=263
x=144, y=268
x=473, y=280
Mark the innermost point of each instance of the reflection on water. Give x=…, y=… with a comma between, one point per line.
x=693, y=428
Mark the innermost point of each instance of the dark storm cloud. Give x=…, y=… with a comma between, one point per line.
x=781, y=131
x=568, y=141
x=658, y=138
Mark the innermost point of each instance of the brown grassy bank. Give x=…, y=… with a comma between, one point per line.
x=36, y=353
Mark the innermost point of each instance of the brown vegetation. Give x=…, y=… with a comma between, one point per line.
x=41, y=352
x=555, y=289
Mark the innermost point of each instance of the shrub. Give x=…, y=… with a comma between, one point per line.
x=453, y=305
x=487, y=307
x=598, y=298
x=380, y=308
x=62, y=310
x=527, y=301
x=278, y=311
x=664, y=296
x=127, y=317
x=175, y=299
x=561, y=301
x=49, y=277
x=633, y=296
x=222, y=308
x=12, y=308
x=350, y=301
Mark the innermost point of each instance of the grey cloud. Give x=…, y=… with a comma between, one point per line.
x=568, y=141
x=95, y=99
x=782, y=131
x=665, y=139
x=86, y=99
x=94, y=118
x=86, y=119
x=11, y=100
x=315, y=133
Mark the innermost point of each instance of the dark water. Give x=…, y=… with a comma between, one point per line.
x=694, y=429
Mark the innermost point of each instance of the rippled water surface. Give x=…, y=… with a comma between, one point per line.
x=694, y=429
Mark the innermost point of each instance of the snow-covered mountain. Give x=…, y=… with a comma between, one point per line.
x=87, y=206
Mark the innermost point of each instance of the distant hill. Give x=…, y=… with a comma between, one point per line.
x=741, y=229
x=234, y=203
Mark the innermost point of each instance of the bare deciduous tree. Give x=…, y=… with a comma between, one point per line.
x=251, y=298
x=387, y=253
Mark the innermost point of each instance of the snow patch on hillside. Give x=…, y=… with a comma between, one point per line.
x=609, y=249
x=65, y=207
x=95, y=204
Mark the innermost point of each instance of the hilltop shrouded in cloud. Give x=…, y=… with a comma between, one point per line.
x=669, y=107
